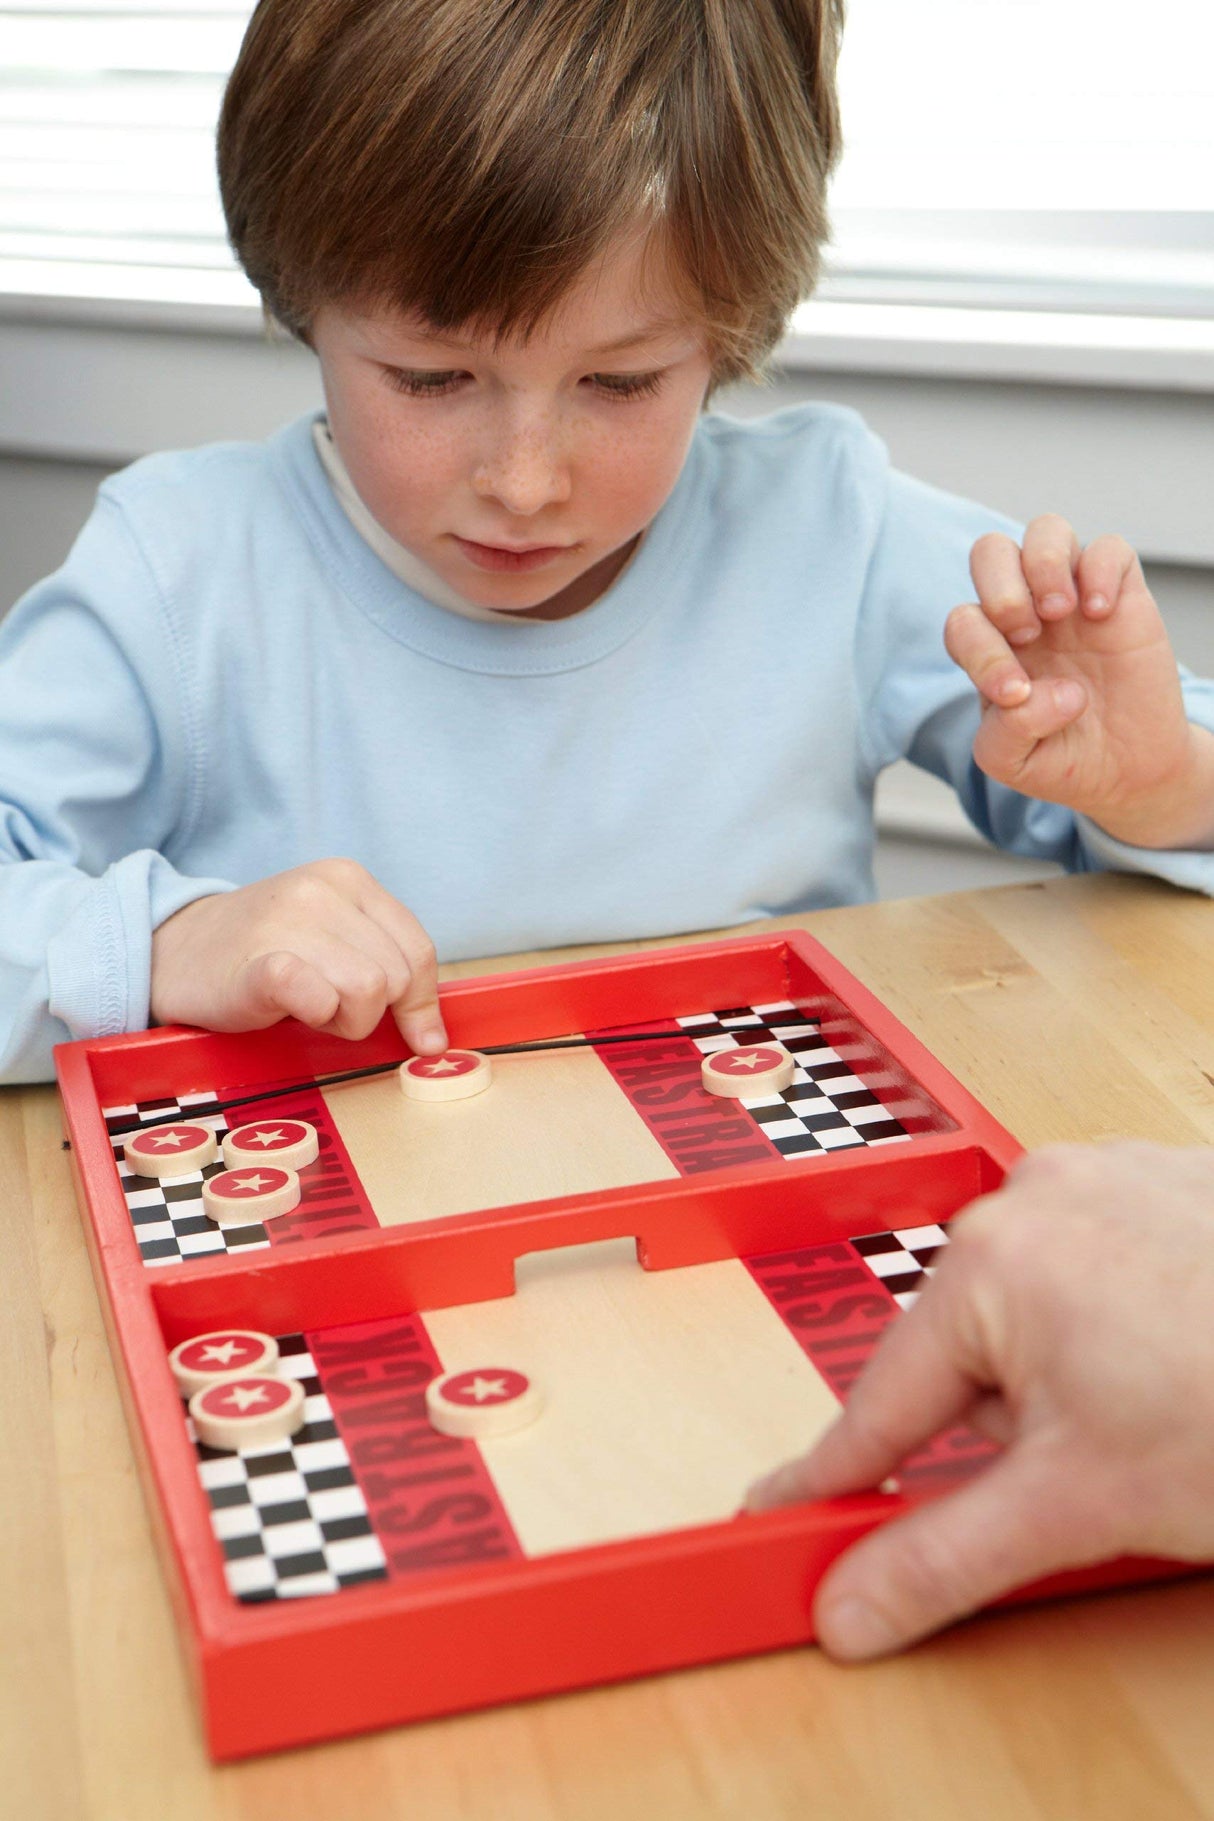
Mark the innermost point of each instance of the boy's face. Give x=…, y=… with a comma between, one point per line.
x=521, y=474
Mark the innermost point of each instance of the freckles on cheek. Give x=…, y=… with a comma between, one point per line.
x=639, y=470
x=393, y=462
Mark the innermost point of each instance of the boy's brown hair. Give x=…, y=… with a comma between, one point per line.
x=467, y=159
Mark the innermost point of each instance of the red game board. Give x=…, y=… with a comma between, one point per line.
x=695, y=1280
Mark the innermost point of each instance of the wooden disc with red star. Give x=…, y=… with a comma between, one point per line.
x=456, y=1075
x=241, y=1198
x=170, y=1150
x=224, y=1353
x=248, y=1412
x=290, y=1143
x=750, y=1070
x=488, y=1400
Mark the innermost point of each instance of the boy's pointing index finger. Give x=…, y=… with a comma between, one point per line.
x=416, y=1012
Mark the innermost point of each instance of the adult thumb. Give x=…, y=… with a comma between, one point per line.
x=950, y=1556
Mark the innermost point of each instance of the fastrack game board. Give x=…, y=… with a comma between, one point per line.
x=694, y=1282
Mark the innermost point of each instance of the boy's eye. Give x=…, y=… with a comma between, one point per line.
x=627, y=385
x=423, y=382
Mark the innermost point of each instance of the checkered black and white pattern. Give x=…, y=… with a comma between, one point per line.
x=166, y=1212
x=289, y=1516
x=826, y=1108
x=902, y=1260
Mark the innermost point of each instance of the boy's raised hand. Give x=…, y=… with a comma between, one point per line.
x=1070, y=1321
x=1081, y=696
x=323, y=943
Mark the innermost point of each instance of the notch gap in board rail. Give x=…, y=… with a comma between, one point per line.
x=591, y=1255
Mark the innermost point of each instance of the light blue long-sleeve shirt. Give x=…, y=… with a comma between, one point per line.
x=224, y=681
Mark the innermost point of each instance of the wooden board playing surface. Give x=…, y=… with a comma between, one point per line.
x=666, y=1393
x=568, y=1122
x=553, y=1125
x=550, y=1124
x=1073, y=1010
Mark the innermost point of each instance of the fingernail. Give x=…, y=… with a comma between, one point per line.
x=1068, y=697
x=431, y=1041
x=853, y=1628
x=765, y=1493
x=1013, y=690
x=1055, y=603
x=1097, y=603
x=1024, y=635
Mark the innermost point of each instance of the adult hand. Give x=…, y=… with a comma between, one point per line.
x=1072, y=1320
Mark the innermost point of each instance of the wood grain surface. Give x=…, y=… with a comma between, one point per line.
x=1077, y=1008
x=650, y=1425
x=552, y=1124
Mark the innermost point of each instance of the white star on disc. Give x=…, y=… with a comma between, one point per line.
x=252, y=1184
x=169, y=1138
x=266, y=1138
x=223, y=1352
x=484, y=1388
x=246, y=1396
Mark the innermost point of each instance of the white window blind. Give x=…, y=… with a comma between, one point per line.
x=1055, y=154
x=107, y=128
x=1051, y=154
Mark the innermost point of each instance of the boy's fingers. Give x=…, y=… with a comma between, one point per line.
x=281, y=984
x=1105, y=569
x=415, y=1008
x=985, y=656
x=1008, y=737
x=328, y=983
x=1007, y=599
x=419, y=1020
x=1010, y=1525
x=921, y=1378
x=365, y=973
x=1049, y=557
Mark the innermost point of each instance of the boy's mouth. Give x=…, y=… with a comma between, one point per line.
x=508, y=558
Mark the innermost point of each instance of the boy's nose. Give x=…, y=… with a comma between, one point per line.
x=525, y=471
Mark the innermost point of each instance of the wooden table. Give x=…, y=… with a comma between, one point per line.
x=1077, y=1008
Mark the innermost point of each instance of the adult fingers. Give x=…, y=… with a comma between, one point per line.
x=1049, y=557
x=924, y=1374
x=1012, y=1524
x=977, y=645
x=415, y=1006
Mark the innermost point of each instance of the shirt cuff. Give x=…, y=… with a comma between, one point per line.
x=99, y=963
x=1186, y=867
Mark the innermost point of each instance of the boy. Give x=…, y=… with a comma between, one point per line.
x=552, y=654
